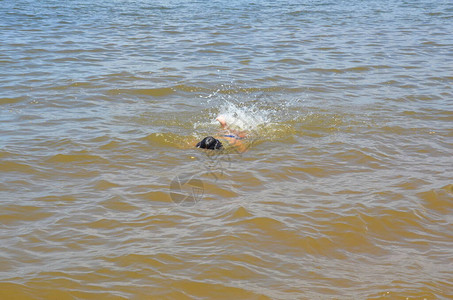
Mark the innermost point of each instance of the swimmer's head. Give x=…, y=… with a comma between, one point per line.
x=210, y=143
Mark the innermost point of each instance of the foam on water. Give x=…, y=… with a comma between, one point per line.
x=244, y=117
x=262, y=118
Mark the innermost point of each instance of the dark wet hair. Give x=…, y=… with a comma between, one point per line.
x=210, y=143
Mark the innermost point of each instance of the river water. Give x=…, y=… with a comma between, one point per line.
x=345, y=190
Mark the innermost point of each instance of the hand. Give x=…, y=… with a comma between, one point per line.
x=222, y=121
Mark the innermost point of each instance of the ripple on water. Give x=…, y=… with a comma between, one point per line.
x=345, y=191
x=438, y=199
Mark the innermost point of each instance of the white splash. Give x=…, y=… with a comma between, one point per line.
x=241, y=117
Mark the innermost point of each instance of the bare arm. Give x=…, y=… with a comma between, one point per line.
x=225, y=126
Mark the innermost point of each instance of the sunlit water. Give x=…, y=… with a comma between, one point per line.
x=345, y=191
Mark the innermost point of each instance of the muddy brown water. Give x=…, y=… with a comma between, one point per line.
x=345, y=191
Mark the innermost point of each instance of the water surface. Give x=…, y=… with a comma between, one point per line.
x=345, y=191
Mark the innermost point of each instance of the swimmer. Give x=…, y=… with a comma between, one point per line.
x=229, y=137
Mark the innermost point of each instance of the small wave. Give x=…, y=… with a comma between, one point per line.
x=272, y=89
x=361, y=157
x=11, y=166
x=12, y=100
x=290, y=61
x=351, y=69
x=260, y=223
x=156, y=92
x=439, y=199
x=170, y=140
x=115, y=202
x=237, y=213
x=69, y=85
x=15, y=290
x=23, y=213
x=81, y=157
x=210, y=92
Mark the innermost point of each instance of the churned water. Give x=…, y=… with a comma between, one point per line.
x=345, y=190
